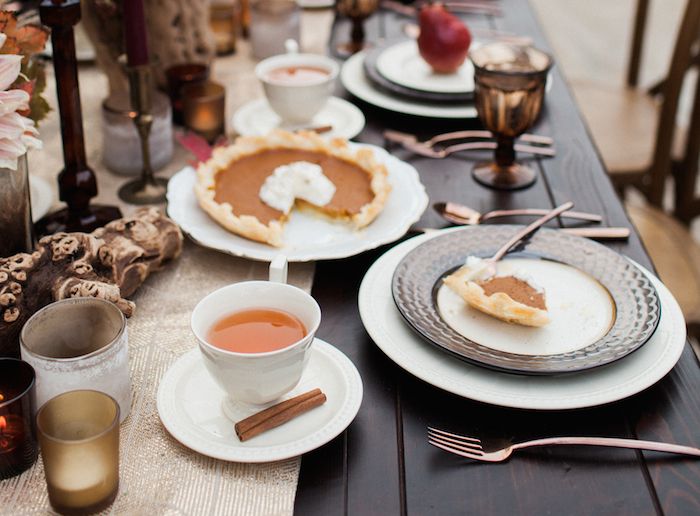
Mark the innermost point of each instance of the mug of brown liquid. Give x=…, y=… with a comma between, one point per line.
x=255, y=336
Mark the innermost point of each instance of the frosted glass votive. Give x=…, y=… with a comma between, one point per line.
x=121, y=145
x=79, y=343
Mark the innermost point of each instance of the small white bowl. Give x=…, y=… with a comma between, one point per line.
x=255, y=378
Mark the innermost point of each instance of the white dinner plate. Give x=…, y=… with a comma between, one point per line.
x=256, y=118
x=307, y=237
x=402, y=64
x=41, y=196
x=189, y=405
x=605, y=384
x=353, y=78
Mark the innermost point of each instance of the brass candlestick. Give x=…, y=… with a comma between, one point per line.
x=147, y=189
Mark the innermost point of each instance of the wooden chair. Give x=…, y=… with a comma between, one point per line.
x=687, y=203
x=635, y=130
x=676, y=258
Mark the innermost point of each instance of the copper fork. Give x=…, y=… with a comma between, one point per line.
x=471, y=448
x=428, y=152
x=401, y=137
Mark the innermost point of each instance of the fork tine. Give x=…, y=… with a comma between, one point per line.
x=471, y=444
x=455, y=436
x=467, y=447
x=452, y=450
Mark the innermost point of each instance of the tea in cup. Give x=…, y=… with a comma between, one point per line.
x=297, y=86
x=255, y=337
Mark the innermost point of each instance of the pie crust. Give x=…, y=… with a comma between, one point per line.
x=498, y=304
x=250, y=226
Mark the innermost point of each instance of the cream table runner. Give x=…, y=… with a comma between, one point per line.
x=159, y=475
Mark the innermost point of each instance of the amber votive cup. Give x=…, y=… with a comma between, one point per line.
x=179, y=76
x=204, y=109
x=18, y=444
x=79, y=437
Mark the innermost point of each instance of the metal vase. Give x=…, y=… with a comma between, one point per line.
x=16, y=227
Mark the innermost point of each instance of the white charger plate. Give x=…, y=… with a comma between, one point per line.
x=307, y=237
x=605, y=384
x=402, y=64
x=256, y=118
x=189, y=405
x=353, y=78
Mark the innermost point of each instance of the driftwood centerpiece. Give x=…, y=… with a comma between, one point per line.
x=109, y=263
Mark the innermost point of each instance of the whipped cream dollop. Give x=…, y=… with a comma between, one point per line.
x=298, y=180
x=479, y=271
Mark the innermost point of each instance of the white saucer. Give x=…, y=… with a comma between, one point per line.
x=256, y=118
x=402, y=64
x=189, y=404
x=41, y=196
x=612, y=382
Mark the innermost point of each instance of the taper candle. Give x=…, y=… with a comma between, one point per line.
x=135, y=33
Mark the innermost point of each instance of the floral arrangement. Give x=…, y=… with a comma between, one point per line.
x=22, y=81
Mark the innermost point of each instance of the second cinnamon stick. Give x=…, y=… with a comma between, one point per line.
x=278, y=414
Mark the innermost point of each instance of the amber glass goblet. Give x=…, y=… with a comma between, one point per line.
x=509, y=91
x=358, y=11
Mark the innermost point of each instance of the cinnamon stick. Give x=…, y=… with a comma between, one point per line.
x=279, y=414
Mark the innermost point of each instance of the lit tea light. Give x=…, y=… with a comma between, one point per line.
x=18, y=444
x=204, y=107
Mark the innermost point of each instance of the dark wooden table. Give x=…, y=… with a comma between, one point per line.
x=383, y=464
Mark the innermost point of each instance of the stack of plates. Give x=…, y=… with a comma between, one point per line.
x=615, y=328
x=395, y=77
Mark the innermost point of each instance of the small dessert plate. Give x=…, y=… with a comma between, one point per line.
x=190, y=407
x=256, y=118
x=402, y=64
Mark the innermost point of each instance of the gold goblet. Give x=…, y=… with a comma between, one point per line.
x=358, y=11
x=509, y=91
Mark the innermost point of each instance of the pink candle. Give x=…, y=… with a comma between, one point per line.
x=135, y=33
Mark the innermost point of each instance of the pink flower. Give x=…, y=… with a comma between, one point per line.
x=17, y=133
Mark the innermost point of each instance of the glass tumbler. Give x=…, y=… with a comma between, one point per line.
x=509, y=92
x=79, y=437
x=204, y=109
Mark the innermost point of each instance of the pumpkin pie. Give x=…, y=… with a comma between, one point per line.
x=508, y=298
x=229, y=184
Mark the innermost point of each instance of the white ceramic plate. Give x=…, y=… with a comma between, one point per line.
x=256, y=118
x=402, y=64
x=189, y=405
x=353, y=78
x=307, y=237
x=315, y=4
x=605, y=384
x=41, y=196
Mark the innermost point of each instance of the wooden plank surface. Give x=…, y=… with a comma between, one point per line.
x=383, y=464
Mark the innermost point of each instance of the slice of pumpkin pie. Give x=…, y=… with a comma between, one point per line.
x=251, y=186
x=511, y=298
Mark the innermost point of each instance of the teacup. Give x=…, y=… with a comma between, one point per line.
x=297, y=102
x=256, y=378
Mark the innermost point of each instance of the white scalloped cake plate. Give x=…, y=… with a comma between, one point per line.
x=307, y=236
x=618, y=380
x=256, y=118
x=402, y=64
x=189, y=405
